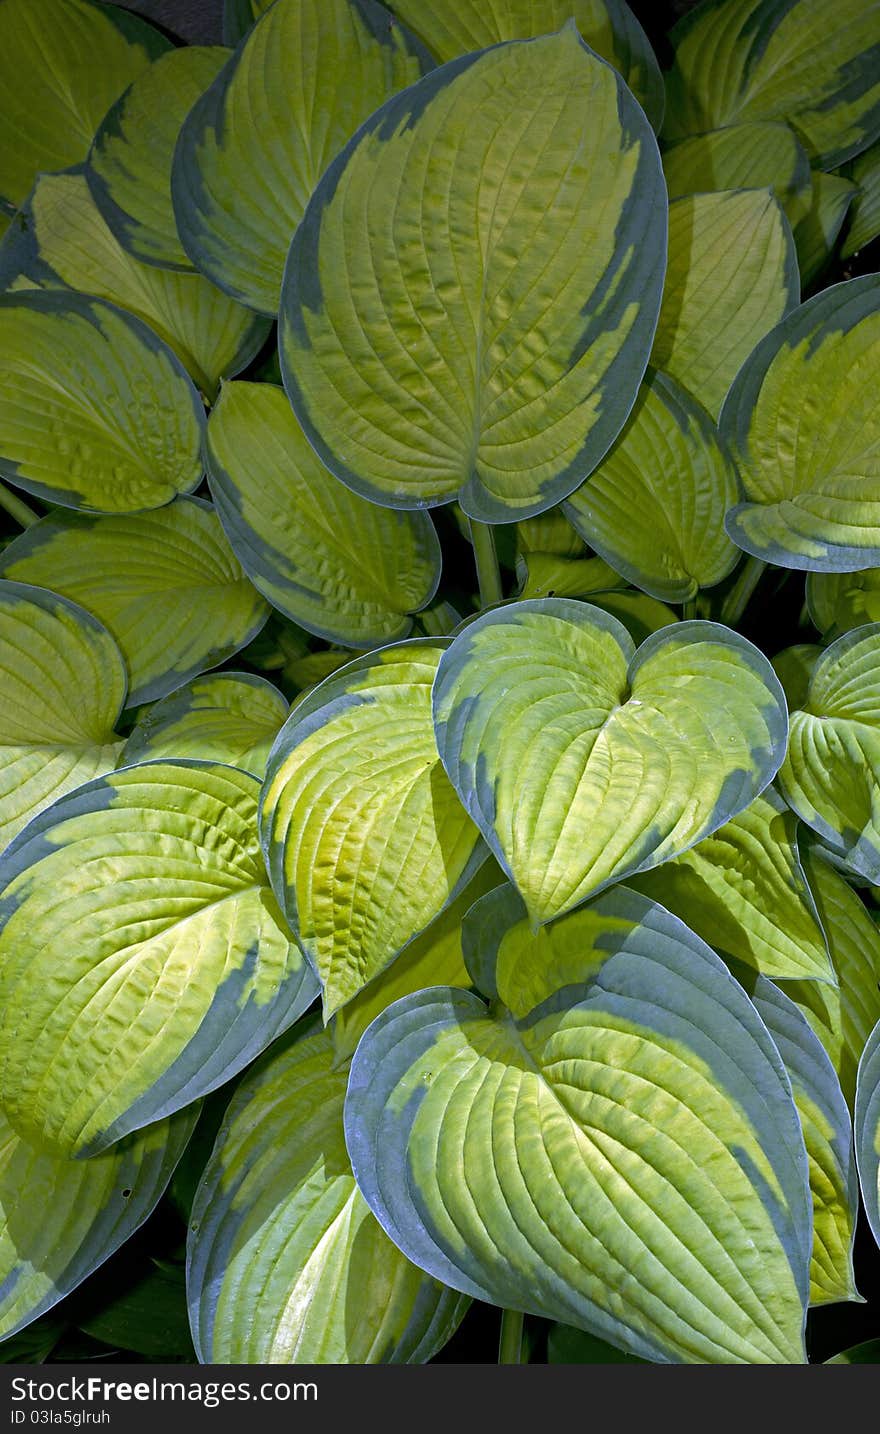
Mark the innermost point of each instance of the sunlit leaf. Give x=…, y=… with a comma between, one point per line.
x=838, y=602
x=233, y=717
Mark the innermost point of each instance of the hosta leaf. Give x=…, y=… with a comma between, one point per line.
x=794, y=668
x=618, y=1148
x=549, y=533
x=566, y=1345
x=804, y=61
x=129, y=165
x=867, y=1129
x=63, y=63
x=333, y=562
x=838, y=602
x=815, y=234
x=732, y=275
x=239, y=16
x=233, y=717
x=831, y=775
x=95, y=411
x=364, y=838
x=640, y=615
x=803, y=423
x=255, y=145
x=147, y=576
x=60, y=1219
x=743, y=890
x=63, y=684
x=451, y=28
x=490, y=345
x=546, y=575
x=286, y=1264
x=143, y=958
x=864, y=216
x=62, y=240
x=654, y=508
x=866, y=1353
x=582, y=761
x=755, y=155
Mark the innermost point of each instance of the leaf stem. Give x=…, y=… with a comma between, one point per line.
x=488, y=571
x=737, y=599
x=17, y=508
x=510, y=1343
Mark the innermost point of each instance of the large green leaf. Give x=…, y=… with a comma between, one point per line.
x=451, y=28
x=815, y=233
x=654, y=508
x=95, y=411
x=805, y=61
x=612, y=1143
x=336, y=564
x=831, y=774
x=63, y=684
x=286, y=1264
x=803, y=422
x=255, y=145
x=61, y=240
x=863, y=225
x=867, y=1129
x=732, y=275
x=60, y=1219
x=364, y=838
x=471, y=296
x=147, y=576
x=232, y=717
x=838, y=602
x=743, y=890
x=754, y=155
x=582, y=760
x=129, y=164
x=143, y=958
x=62, y=64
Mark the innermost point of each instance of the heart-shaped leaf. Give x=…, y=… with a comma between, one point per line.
x=654, y=507
x=337, y=565
x=582, y=761
x=285, y=1262
x=815, y=233
x=838, y=602
x=364, y=838
x=95, y=411
x=257, y=142
x=143, y=958
x=63, y=683
x=867, y=1129
x=863, y=222
x=60, y=1219
x=129, y=163
x=614, y=1145
x=491, y=344
x=803, y=424
x=732, y=275
x=233, y=717
x=146, y=575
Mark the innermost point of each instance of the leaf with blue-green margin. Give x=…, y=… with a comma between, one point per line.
x=129, y=162
x=838, y=602
x=794, y=667
x=583, y=761
x=63, y=686
x=550, y=575
x=868, y=1352
x=863, y=219
x=60, y=240
x=812, y=64
x=828, y=1136
x=815, y=233
x=143, y=958
x=732, y=275
x=285, y=1262
x=803, y=424
x=60, y=1219
x=95, y=411
x=364, y=838
x=231, y=717
x=470, y=298
x=743, y=890
x=754, y=155
x=146, y=576
x=867, y=1129
x=654, y=508
x=612, y=1142
x=341, y=567
x=451, y=28
x=63, y=63
x=254, y=146
x=831, y=773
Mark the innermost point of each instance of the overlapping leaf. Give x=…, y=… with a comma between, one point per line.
x=471, y=296
x=794, y=667
x=583, y=761
x=863, y=224
x=626, y=1122
x=754, y=155
x=232, y=717
x=147, y=576
x=336, y=564
x=143, y=958
x=867, y=1129
x=365, y=839
x=838, y=602
x=815, y=233
x=549, y=575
